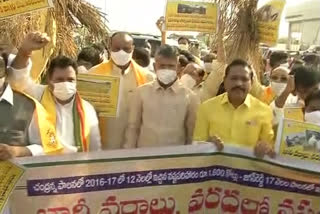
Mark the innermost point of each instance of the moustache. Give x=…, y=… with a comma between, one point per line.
x=238, y=87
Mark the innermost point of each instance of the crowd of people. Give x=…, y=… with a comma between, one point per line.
x=174, y=99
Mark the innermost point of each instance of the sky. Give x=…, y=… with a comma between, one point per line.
x=141, y=15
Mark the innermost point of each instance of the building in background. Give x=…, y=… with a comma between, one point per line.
x=304, y=24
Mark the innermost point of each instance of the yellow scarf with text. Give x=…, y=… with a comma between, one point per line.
x=80, y=120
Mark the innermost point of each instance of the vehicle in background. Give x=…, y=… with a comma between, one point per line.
x=313, y=49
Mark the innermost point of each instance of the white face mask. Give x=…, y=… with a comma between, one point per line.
x=121, y=57
x=64, y=90
x=184, y=47
x=2, y=80
x=208, y=67
x=312, y=117
x=278, y=88
x=166, y=76
x=188, y=81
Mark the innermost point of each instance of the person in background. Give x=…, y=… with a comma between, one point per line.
x=192, y=78
x=147, y=46
x=131, y=76
x=89, y=57
x=183, y=62
x=312, y=60
x=312, y=108
x=276, y=59
x=282, y=84
x=208, y=60
x=307, y=79
x=183, y=43
x=246, y=121
x=141, y=56
x=162, y=112
x=23, y=123
x=75, y=120
x=195, y=50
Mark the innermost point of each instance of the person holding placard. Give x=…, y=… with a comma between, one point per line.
x=131, y=76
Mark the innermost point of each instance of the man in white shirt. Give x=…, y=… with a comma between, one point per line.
x=131, y=76
x=75, y=119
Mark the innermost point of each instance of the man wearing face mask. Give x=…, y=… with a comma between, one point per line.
x=208, y=60
x=23, y=124
x=163, y=111
x=236, y=117
x=131, y=76
x=75, y=119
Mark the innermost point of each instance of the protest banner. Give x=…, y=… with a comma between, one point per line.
x=269, y=17
x=13, y=7
x=299, y=140
x=101, y=91
x=170, y=180
x=10, y=174
x=191, y=16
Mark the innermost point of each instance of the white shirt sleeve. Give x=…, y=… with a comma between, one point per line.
x=20, y=79
x=34, y=137
x=95, y=138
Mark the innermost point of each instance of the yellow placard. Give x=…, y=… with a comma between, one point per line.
x=13, y=7
x=294, y=113
x=299, y=140
x=191, y=16
x=269, y=17
x=10, y=174
x=101, y=91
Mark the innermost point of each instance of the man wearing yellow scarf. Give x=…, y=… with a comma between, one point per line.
x=75, y=119
x=131, y=76
x=24, y=124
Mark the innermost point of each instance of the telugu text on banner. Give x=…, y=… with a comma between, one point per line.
x=269, y=17
x=10, y=174
x=101, y=91
x=176, y=180
x=191, y=16
x=13, y=7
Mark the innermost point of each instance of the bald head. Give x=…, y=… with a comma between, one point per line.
x=121, y=41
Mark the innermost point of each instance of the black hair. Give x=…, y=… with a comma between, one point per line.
x=167, y=51
x=315, y=95
x=306, y=76
x=62, y=62
x=90, y=54
x=311, y=59
x=183, y=60
x=277, y=57
x=183, y=38
x=188, y=55
x=141, y=56
x=5, y=57
x=240, y=62
x=100, y=47
x=123, y=33
x=201, y=73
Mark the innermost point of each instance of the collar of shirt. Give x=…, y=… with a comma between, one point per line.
x=174, y=87
x=7, y=95
x=67, y=106
x=118, y=70
x=247, y=101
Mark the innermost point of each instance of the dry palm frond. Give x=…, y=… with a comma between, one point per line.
x=67, y=15
x=237, y=35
